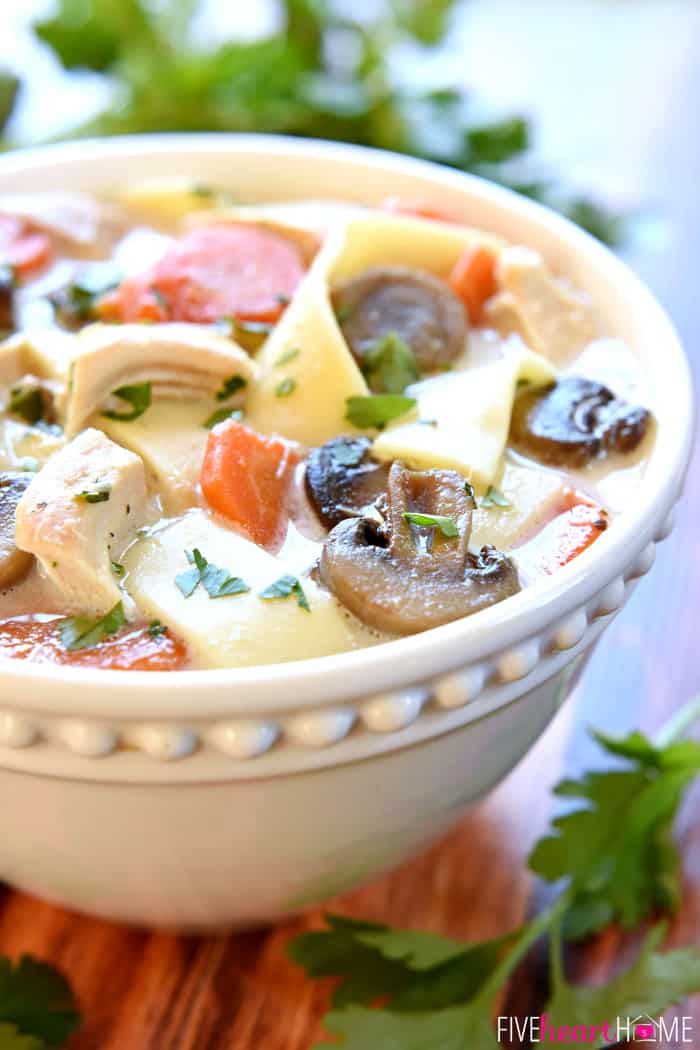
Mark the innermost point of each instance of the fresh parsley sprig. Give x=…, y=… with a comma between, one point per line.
x=37, y=1008
x=616, y=861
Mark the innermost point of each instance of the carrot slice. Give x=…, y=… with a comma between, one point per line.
x=418, y=209
x=572, y=532
x=473, y=280
x=213, y=272
x=26, y=250
x=247, y=478
x=134, y=648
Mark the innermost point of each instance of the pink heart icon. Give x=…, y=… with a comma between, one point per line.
x=644, y=1031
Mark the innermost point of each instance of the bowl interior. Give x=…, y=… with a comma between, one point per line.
x=259, y=168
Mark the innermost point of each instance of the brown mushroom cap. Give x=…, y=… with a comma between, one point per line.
x=14, y=563
x=342, y=479
x=574, y=421
x=402, y=578
x=414, y=305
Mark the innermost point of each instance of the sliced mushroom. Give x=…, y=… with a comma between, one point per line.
x=574, y=421
x=14, y=563
x=342, y=479
x=403, y=578
x=412, y=304
x=7, y=299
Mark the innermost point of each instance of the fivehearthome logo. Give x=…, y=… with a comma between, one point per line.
x=526, y=1031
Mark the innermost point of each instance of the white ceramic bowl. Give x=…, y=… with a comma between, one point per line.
x=207, y=799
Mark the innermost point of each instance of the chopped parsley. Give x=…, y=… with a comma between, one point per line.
x=377, y=410
x=138, y=395
x=156, y=629
x=251, y=334
x=78, y=300
x=287, y=355
x=220, y=414
x=27, y=402
x=389, y=366
x=77, y=632
x=446, y=525
x=286, y=387
x=160, y=299
x=94, y=496
x=494, y=498
x=117, y=568
x=284, y=587
x=218, y=583
x=229, y=387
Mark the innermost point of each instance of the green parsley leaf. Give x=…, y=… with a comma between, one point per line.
x=37, y=1001
x=27, y=402
x=617, y=851
x=156, y=629
x=12, y=1039
x=220, y=415
x=77, y=301
x=218, y=583
x=9, y=87
x=389, y=365
x=654, y=982
x=79, y=633
x=117, y=568
x=498, y=142
x=446, y=525
x=229, y=387
x=283, y=588
x=287, y=355
x=494, y=498
x=286, y=387
x=96, y=496
x=138, y=396
x=377, y=410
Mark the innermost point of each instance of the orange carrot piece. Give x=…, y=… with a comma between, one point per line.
x=473, y=280
x=573, y=532
x=133, y=648
x=247, y=478
x=418, y=209
x=25, y=249
x=215, y=271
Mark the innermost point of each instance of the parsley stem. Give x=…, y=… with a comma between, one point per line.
x=528, y=936
x=677, y=725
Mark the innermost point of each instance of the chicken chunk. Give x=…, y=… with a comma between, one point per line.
x=552, y=318
x=180, y=361
x=78, y=514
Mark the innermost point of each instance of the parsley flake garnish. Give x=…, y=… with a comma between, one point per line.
x=156, y=629
x=220, y=414
x=78, y=300
x=389, y=365
x=94, y=496
x=218, y=583
x=76, y=632
x=117, y=568
x=138, y=395
x=286, y=387
x=284, y=587
x=446, y=525
x=287, y=355
x=494, y=498
x=229, y=387
x=26, y=402
x=377, y=410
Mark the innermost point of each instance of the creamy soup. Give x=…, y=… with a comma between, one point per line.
x=235, y=435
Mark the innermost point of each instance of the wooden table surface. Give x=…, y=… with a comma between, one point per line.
x=147, y=991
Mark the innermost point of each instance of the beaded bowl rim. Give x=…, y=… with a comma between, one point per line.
x=395, y=664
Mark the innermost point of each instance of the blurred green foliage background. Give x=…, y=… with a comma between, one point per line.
x=320, y=72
